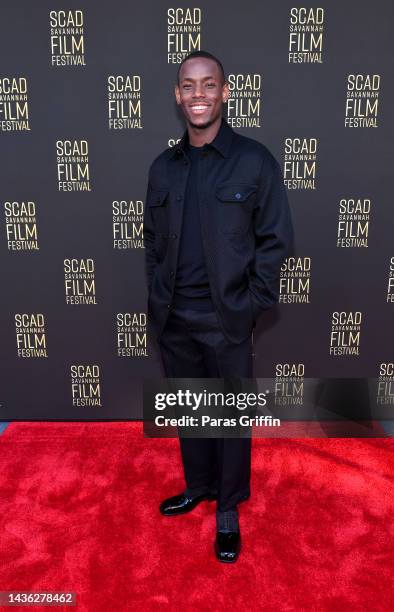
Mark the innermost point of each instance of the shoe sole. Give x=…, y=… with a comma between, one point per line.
x=227, y=561
x=210, y=498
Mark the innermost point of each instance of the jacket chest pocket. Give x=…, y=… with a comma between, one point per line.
x=158, y=207
x=235, y=206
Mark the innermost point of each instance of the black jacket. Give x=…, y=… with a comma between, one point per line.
x=246, y=227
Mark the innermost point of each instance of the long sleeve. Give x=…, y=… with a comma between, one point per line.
x=274, y=236
x=149, y=239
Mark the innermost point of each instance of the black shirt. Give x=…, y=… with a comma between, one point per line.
x=191, y=284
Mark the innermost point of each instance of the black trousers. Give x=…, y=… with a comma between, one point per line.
x=193, y=345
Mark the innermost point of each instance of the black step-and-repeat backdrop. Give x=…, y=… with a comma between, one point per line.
x=87, y=102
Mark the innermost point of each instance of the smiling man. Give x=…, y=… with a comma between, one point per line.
x=217, y=228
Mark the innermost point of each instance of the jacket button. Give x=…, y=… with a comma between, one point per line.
x=168, y=305
x=179, y=197
x=173, y=236
x=237, y=195
x=172, y=273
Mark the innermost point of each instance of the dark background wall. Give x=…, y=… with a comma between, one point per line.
x=71, y=367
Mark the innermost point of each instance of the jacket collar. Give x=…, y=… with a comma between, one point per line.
x=221, y=142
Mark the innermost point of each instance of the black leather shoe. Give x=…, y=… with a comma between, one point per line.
x=227, y=546
x=182, y=503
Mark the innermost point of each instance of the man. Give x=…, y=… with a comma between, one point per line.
x=217, y=227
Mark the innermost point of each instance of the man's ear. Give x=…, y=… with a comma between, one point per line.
x=225, y=92
x=177, y=94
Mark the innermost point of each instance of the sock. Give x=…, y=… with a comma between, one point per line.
x=227, y=521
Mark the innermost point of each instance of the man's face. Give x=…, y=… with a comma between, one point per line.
x=201, y=91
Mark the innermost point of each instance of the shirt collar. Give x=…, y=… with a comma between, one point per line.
x=221, y=142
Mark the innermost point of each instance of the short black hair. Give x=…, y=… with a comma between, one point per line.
x=194, y=54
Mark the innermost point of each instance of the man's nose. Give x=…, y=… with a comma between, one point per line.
x=198, y=91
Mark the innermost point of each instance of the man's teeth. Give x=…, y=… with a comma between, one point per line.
x=199, y=107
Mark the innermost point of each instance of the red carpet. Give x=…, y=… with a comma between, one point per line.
x=79, y=512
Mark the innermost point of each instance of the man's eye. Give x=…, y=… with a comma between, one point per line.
x=211, y=85
x=186, y=86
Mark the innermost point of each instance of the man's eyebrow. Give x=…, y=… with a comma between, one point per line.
x=204, y=78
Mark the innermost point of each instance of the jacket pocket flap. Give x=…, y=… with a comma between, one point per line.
x=235, y=192
x=157, y=197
